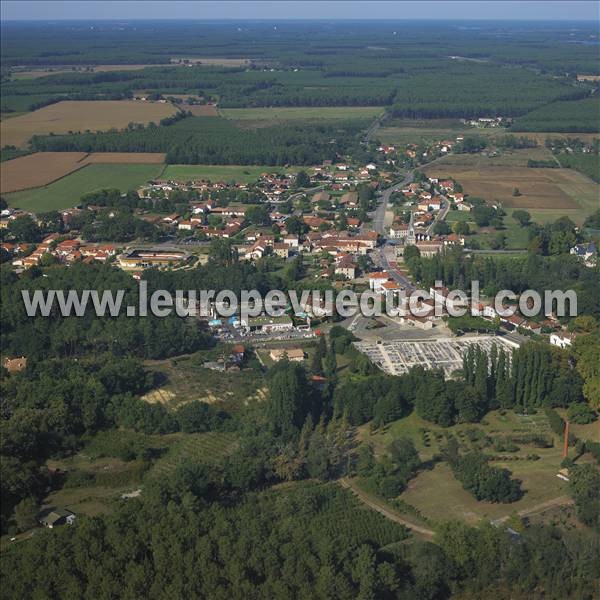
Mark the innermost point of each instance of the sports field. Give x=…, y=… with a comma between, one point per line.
x=301, y=113
x=70, y=115
x=67, y=192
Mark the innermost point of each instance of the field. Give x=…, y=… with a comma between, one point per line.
x=538, y=477
x=414, y=131
x=544, y=192
x=35, y=170
x=238, y=173
x=516, y=236
x=35, y=73
x=202, y=110
x=129, y=158
x=95, y=115
x=66, y=192
x=42, y=168
x=301, y=113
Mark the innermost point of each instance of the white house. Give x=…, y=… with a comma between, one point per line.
x=377, y=279
x=561, y=339
x=587, y=253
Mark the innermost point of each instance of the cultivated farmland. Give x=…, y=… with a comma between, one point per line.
x=202, y=110
x=95, y=115
x=35, y=170
x=125, y=158
x=552, y=191
x=43, y=168
x=67, y=192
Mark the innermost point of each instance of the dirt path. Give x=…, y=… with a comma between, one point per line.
x=383, y=510
x=526, y=512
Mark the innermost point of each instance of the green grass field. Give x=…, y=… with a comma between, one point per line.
x=237, y=173
x=301, y=113
x=516, y=236
x=66, y=192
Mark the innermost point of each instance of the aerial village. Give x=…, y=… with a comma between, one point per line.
x=349, y=224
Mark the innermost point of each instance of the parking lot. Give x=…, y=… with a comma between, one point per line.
x=397, y=357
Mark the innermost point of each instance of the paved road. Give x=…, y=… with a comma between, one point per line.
x=384, y=510
x=441, y=215
x=384, y=199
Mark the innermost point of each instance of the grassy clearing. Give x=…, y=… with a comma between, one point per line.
x=538, y=477
x=67, y=192
x=237, y=173
x=302, y=113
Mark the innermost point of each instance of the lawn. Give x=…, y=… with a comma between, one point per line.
x=517, y=237
x=237, y=173
x=67, y=192
x=302, y=113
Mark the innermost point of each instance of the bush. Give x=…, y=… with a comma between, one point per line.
x=580, y=413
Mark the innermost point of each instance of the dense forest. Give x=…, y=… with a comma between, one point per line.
x=208, y=140
x=578, y=116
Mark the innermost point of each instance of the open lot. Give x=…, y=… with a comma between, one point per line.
x=71, y=115
x=302, y=113
x=67, y=191
x=238, y=173
x=546, y=193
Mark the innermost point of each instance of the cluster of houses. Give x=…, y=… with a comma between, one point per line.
x=64, y=250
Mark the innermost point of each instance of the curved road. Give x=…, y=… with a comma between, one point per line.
x=383, y=510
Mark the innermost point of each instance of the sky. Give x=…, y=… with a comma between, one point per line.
x=557, y=10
